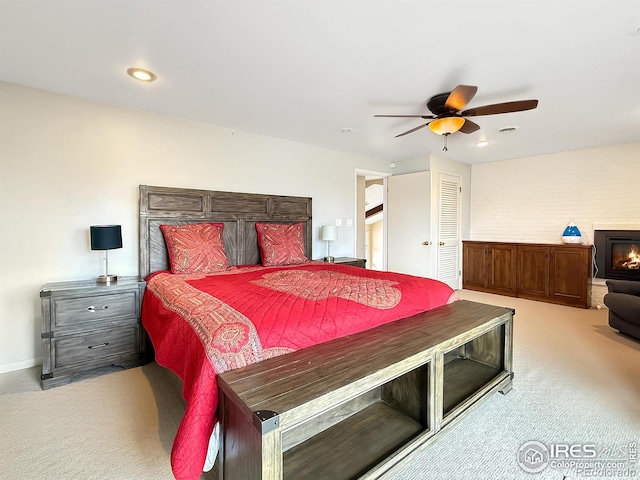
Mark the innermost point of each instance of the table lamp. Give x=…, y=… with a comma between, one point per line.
x=329, y=234
x=106, y=237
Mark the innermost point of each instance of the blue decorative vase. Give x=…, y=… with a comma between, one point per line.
x=571, y=234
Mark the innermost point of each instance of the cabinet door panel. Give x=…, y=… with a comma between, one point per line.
x=474, y=260
x=533, y=271
x=502, y=264
x=568, y=274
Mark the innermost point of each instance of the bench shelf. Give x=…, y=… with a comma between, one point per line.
x=355, y=406
x=354, y=446
x=463, y=378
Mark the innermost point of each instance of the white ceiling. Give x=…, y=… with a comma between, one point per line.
x=303, y=70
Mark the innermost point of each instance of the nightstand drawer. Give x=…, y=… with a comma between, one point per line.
x=94, y=347
x=73, y=311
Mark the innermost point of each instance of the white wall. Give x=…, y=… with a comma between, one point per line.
x=67, y=164
x=532, y=199
x=411, y=165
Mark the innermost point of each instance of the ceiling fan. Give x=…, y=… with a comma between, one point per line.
x=447, y=118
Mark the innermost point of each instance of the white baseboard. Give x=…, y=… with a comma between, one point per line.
x=12, y=367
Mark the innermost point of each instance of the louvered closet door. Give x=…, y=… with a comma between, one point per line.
x=449, y=230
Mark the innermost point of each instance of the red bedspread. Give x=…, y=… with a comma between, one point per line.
x=203, y=326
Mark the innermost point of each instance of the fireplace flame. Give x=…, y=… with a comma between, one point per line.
x=633, y=261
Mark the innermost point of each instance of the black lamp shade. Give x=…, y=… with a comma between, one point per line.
x=106, y=237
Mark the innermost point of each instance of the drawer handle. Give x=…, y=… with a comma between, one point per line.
x=92, y=309
x=102, y=345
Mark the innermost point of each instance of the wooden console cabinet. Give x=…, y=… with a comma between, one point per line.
x=355, y=406
x=555, y=273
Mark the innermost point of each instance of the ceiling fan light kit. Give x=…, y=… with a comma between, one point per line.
x=446, y=125
x=447, y=118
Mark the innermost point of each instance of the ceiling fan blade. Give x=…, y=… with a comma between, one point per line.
x=460, y=96
x=469, y=127
x=412, y=130
x=496, y=108
x=406, y=116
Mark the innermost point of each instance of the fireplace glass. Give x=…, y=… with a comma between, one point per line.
x=618, y=254
x=625, y=256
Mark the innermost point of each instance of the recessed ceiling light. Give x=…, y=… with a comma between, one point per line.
x=509, y=129
x=346, y=130
x=142, y=74
x=482, y=143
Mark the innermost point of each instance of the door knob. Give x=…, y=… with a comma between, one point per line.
x=441, y=243
x=426, y=243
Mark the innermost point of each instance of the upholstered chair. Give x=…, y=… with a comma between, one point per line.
x=623, y=301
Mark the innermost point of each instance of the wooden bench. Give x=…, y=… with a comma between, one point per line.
x=355, y=406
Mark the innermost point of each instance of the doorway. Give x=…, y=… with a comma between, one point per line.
x=370, y=218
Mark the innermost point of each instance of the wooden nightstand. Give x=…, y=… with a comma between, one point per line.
x=354, y=262
x=86, y=325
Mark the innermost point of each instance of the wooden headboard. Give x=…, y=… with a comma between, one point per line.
x=238, y=211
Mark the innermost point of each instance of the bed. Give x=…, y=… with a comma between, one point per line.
x=246, y=314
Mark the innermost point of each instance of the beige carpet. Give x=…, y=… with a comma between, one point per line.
x=577, y=381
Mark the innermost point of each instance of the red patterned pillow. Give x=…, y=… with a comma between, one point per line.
x=195, y=247
x=281, y=244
